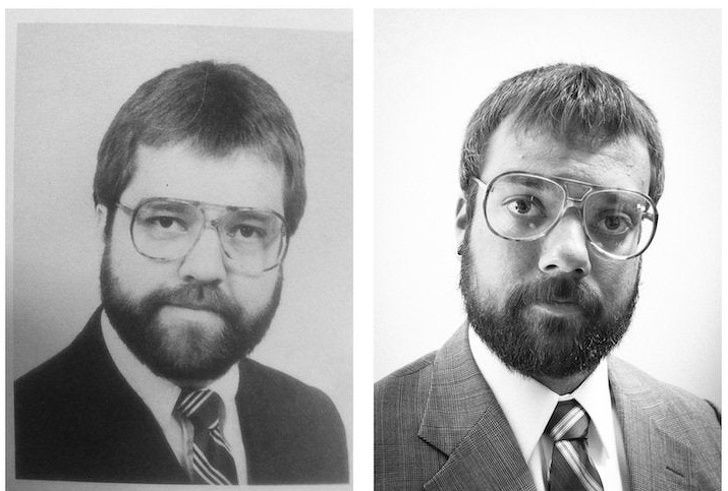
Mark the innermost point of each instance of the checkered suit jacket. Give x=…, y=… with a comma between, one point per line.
x=438, y=426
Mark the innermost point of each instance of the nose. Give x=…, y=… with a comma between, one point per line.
x=205, y=261
x=564, y=249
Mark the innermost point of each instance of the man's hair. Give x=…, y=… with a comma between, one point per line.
x=218, y=108
x=578, y=104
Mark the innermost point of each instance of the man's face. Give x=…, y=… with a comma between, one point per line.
x=553, y=306
x=192, y=318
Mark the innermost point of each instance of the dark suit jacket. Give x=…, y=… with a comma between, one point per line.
x=438, y=426
x=77, y=419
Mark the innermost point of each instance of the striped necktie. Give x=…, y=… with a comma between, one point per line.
x=571, y=469
x=212, y=462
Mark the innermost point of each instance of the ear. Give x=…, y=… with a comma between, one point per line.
x=461, y=222
x=101, y=213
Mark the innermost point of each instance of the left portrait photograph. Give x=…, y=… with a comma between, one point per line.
x=179, y=248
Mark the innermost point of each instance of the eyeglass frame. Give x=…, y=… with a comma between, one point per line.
x=209, y=223
x=591, y=189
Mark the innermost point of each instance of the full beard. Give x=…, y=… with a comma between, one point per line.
x=189, y=350
x=545, y=345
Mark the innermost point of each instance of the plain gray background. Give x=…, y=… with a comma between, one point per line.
x=432, y=69
x=70, y=79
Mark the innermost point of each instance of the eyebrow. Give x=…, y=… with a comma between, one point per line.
x=533, y=182
x=626, y=196
x=164, y=205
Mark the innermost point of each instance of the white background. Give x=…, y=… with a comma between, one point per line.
x=433, y=68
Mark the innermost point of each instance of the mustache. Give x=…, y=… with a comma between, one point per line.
x=197, y=296
x=561, y=290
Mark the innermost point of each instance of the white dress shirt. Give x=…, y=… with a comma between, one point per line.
x=160, y=395
x=528, y=406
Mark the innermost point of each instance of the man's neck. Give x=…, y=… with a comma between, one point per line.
x=192, y=384
x=563, y=385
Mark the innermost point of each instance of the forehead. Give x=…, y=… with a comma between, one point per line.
x=624, y=163
x=245, y=177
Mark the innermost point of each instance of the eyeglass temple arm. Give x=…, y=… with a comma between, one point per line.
x=124, y=208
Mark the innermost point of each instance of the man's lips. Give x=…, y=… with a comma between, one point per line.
x=559, y=307
x=188, y=306
x=189, y=310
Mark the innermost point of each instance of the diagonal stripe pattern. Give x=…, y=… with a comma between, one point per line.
x=212, y=461
x=571, y=469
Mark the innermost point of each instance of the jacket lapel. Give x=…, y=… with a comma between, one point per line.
x=121, y=437
x=657, y=459
x=463, y=420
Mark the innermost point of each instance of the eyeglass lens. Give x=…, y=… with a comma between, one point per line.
x=525, y=207
x=253, y=240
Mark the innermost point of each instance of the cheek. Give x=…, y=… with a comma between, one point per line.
x=501, y=263
x=254, y=293
x=137, y=275
x=615, y=279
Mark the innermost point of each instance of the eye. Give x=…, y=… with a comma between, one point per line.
x=524, y=206
x=166, y=222
x=245, y=231
x=615, y=223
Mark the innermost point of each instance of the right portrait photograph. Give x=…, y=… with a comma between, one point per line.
x=547, y=251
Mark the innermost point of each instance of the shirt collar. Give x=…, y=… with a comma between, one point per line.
x=594, y=396
x=528, y=404
x=158, y=393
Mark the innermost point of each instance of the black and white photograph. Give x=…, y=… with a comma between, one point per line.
x=179, y=248
x=352, y=245
x=535, y=326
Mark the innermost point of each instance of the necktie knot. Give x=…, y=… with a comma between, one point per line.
x=202, y=406
x=570, y=465
x=569, y=422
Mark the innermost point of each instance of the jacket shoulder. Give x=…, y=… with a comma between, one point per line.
x=677, y=401
x=46, y=411
x=271, y=384
x=65, y=378
x=689, y=425
x=400, y=399
x=411, y=369
x=403, y=460
x=685, y=417
x=296, y=430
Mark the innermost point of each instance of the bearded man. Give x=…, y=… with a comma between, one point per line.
x=561, y=172
x=199, y=187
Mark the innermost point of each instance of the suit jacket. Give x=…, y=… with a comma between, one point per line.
x=438, y=426
x=76, y=418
